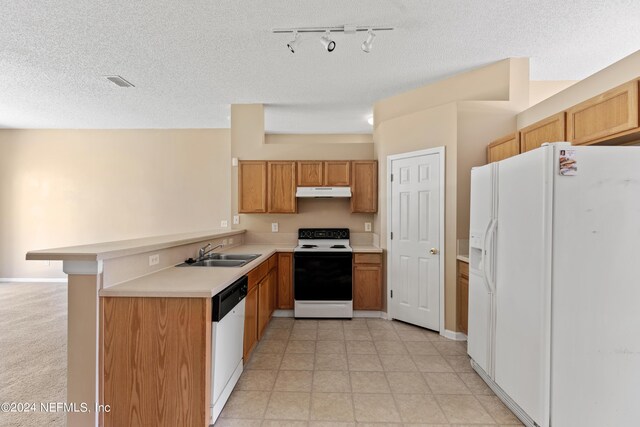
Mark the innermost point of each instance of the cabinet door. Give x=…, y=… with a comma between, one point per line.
x=337, y=173
x=264, y=303
x=605, y=115
x=310, y=174
x=273, y=290
x=285, y=281
x=364, y=186
x=551, y=129
x=367, y=287
x=462, y=296
x=250, y=322
x=282, y=187
x=503, y=148
x=252, y=187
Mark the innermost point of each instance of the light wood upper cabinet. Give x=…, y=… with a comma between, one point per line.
x=282, y=187
x=503, y=148
x=605, y=115
x=252, y=187
x=332, y=173
x=364, y=186
x=551, y=129
x=337, y=173
x=310, y=174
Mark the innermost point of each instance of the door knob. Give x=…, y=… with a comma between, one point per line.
x=433, y=251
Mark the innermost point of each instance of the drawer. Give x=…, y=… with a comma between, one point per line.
x=367, y=258
x=257, y=274
x=273, y=261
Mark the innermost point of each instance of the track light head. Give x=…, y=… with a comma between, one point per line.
x=367, y=44
x=327, y=42
x=293, y=44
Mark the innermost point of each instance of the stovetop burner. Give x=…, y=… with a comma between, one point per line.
x=338, y=247
x=309, y=246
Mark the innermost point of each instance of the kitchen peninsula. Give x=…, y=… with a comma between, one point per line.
x=139, y=335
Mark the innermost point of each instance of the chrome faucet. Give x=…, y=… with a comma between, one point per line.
x=203, y=250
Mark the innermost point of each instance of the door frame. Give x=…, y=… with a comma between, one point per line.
x=441, y=152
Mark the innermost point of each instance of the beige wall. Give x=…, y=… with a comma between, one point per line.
x=250, y=143
x=490, y=83
x=68, y=187
x=614, y=75
x=463, y=114
x=539, y=90
x=478, y=124
x=431, y=128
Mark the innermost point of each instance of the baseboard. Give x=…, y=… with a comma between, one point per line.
x=30, y=280
x=283, y=313
x=356, y=313
x=456, y=336
x=370, y=313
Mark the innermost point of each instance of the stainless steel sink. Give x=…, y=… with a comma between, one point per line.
x=243, y=257
x=223, y=260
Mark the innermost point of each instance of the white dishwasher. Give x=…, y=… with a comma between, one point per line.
x=227, y=338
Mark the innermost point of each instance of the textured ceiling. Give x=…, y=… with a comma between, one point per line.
x=190, y=59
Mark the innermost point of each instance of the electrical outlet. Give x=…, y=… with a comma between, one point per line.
x=274, y=227
x=224, y=242
x=234, y=161
x=224, y=223
x=367, y=226
x=231, y=241
x=154, y=259
x=236, y=219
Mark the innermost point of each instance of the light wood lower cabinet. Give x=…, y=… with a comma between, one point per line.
x=264, y=304
x=156, y=359
x=367, y=281
x=462, y=296
x=503, y=148
x=551, y=129
x=285, y=281
x=250, y=322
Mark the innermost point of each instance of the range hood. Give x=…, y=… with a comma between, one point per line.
x=323, y=192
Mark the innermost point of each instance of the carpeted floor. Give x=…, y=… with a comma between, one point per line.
x=33, y=350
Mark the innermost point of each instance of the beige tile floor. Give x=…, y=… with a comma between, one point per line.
x=364, y=371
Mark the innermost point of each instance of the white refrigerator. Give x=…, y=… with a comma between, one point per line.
x=554, y=288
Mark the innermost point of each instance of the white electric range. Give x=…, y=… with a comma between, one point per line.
x=322, y=278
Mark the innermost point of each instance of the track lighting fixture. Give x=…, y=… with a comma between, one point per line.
x=293, y=44
x=327, y=42
x=366, y=45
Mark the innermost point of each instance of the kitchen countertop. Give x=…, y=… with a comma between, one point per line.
x=200, y=282
x=463, y=258
x=193, y=282
x=121, y=248
x=368, y=249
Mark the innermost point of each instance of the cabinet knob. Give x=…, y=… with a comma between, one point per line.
x=433, y=251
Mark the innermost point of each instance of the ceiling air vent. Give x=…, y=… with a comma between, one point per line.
x=118, y=80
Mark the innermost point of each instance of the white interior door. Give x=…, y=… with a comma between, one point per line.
x=415, y=240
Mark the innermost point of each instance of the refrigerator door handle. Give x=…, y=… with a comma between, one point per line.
x=485, y=278
x=489, y=274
